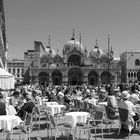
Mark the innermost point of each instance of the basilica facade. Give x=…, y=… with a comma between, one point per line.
x=76, y=66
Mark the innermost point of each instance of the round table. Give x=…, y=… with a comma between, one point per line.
x=76, y=117
x=8, y=122
x=55, y=109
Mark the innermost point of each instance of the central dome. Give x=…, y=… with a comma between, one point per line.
x=70, y=45
x=96, y=52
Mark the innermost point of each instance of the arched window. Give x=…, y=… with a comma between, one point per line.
x=137, y=62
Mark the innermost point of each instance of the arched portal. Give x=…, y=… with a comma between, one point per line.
x=93, y=78
x=75, y=76
x=138, y=75
x=43, y=78
x=56, y=77
x=74, y=60
x=106, y=77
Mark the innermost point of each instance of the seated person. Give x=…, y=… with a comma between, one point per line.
x=125, y=103
x=11, y=109
x=2, y=105
x=14, y=99
x=27, y=107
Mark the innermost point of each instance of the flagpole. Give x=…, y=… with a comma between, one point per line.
x=108, y=59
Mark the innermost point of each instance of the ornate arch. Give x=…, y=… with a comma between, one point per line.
x=75, y=76
x=56, y=77
x=93, y=78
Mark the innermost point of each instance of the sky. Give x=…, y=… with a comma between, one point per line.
x=29, y=20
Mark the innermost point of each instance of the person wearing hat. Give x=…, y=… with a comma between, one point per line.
x=60, y=97
x=125, y=103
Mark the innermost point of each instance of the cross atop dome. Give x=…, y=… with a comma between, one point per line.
x=73, y=34
x=96, y=45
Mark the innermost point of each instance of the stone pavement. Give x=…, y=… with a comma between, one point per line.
x=41, y=134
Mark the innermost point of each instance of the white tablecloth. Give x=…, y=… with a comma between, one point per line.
x=10, y=110
x=51, y=103
x=55, y=109
x=76, y=117
x=7, y=122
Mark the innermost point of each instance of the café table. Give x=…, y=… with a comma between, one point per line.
x=8, y=122
x=55, y=109
x=51, y=103
x=76, y=117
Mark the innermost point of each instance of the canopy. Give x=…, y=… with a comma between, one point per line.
x=6, y=80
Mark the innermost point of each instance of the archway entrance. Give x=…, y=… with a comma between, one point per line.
x=75, y=76
x=93, y=78
x=106, y=77
x=43, y=78
x=138, y=75
x=56, y=77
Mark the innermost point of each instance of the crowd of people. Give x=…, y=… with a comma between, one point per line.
x=25, y=97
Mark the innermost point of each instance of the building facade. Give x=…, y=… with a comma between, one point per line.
x=75, y=67
x=130, y=62
x=16, y=67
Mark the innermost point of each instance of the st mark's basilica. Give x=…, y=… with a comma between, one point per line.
x=76, y=66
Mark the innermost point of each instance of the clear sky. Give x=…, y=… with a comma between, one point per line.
x=29, y=20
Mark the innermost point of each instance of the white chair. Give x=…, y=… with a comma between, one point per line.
x=59, y=127
x=93, y=122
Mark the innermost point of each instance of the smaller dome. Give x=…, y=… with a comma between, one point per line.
x=57, y=59
x=96, y=52
x=50, y=51
x=44, y=59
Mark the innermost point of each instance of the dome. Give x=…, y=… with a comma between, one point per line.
x=70, y=45
x=44, y=59
x=96, y=52
x=50, y=51
x=57, y=59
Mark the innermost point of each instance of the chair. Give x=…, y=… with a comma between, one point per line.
x=94, y=121
x=123, y=113
x=82, y=126
x=110, y=116
x=36, y=115
x=25, y=126
x=59, y=127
